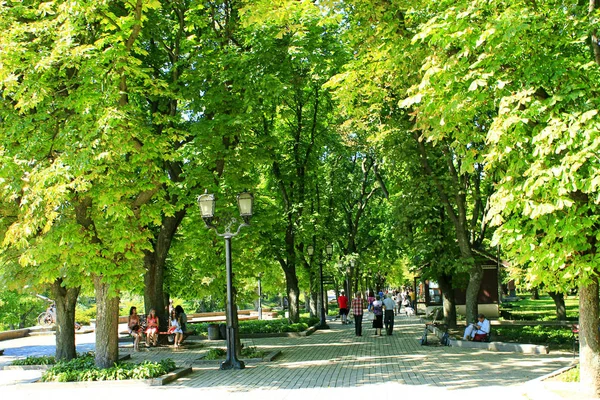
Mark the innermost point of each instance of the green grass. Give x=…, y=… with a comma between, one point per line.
x=571, y=375
x=555, y=336
x=541, y=310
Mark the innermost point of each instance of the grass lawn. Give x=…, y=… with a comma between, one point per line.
x=541, y=310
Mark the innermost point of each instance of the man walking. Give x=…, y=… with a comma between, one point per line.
x=388, y=317
x=358, y=306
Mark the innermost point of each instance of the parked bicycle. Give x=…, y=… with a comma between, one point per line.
x=48, y=318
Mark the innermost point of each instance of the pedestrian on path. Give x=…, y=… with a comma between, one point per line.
x=343, y=304
x=378, y=312
x=388, y=305
x=358, y=305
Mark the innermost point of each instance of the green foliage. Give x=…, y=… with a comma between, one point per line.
x=247, y=352
x=215, y=354
x=545, y=335
x=33, y=360
x=83, y=369
x=19, y=310
x=265, y=326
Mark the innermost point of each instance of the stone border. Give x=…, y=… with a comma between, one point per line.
x=555, y=373
x=493, y=346
x=268, y=358
x=169, y=377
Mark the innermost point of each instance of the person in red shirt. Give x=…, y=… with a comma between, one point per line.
x=343, y=304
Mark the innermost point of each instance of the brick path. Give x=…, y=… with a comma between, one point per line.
x=335, y=361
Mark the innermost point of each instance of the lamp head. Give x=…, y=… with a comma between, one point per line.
x=206, y=203
x=310, y=250
x=246, y=205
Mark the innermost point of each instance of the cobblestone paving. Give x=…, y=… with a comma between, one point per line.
x=336, y=359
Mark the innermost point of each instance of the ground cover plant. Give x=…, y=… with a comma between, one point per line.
x=218, y=353
x=33, y=360
x=264, y=326
x=83, y=369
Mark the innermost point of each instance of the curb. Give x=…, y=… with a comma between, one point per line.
x=170, y=377
x=554, y=373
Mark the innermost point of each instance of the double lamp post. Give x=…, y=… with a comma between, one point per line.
x=329, y=252
x=206, y=202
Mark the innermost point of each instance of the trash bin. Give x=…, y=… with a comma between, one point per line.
x=223, y=331
x=213, y=332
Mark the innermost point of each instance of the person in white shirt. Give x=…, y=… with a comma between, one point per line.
x=388, y=317
x=478, y=331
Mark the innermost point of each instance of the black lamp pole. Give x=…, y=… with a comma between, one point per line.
x=207, y=207
x=328, y=252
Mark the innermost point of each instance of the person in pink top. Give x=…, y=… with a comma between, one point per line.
x=343, y=304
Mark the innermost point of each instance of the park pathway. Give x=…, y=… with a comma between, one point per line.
x=335, y=361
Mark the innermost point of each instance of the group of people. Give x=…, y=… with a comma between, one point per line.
x=384, y=308
x=150, y=327
x=383, y=312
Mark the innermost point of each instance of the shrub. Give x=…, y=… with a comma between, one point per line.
x=83, y=369
x=32, y=360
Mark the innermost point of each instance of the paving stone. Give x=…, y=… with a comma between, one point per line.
x=331, y=361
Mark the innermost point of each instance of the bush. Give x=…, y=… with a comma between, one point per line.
x=32, y=360
x=84, y=315
x=83, y=369
x=265, y=326
x=247, y=352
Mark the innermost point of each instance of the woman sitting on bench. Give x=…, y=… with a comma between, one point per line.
x=175, y=328
x=134, y=328
x=152, y=329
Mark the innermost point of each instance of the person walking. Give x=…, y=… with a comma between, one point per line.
x=378, y=312
x=343, y=304
x=388, y=305
x=358, y=305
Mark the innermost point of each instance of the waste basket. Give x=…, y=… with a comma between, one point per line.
x=213, y=332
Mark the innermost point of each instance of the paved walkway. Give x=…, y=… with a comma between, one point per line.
x=327, y=363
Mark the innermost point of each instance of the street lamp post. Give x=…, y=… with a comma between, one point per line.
x=260, y=274
x=206, y=202
x=328, y=251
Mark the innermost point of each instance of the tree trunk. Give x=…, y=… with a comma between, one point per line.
x=66, y=300
x=589, y=339
x=535, y=294
x=293, y=293
x=449, y=303
x=107, y=325
x=154, y=263
x=559, y=302
x=314, y=303
x=473, y=288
